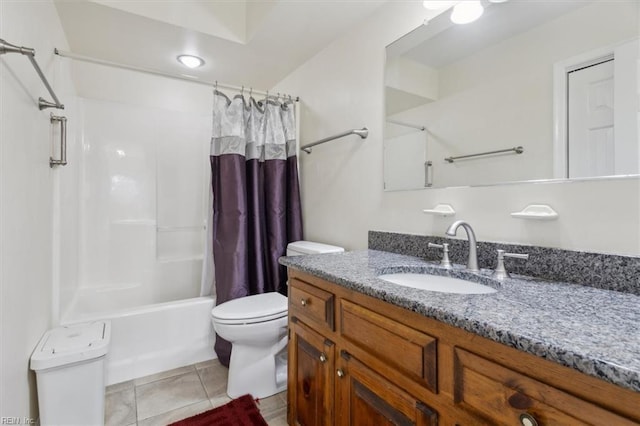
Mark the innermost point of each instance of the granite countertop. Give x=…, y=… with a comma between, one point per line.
x=594, y=331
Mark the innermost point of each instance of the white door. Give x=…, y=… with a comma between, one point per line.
x=591, y=141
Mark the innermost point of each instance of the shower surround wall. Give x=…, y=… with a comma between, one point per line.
x=141, y=207
x=141, y=164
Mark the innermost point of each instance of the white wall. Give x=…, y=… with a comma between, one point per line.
x=26, y=185
x=342, y=88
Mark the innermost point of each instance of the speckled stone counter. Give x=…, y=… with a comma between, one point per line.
x=591, y=330
x=599, y=270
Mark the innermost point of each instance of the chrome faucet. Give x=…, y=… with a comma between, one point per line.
x=472, y=263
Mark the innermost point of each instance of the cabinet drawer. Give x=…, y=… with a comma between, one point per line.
x=408, y=350
x=311, y=304
x=504, y=396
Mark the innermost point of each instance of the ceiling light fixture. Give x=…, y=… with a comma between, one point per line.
x=466, y=12
x=438, y=4
x=190, y=61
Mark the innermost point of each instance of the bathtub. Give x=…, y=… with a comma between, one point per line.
x=154, y=338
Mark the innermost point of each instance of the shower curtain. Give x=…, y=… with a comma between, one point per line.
x=256, y=207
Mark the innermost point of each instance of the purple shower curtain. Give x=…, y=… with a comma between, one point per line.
x=256, y=198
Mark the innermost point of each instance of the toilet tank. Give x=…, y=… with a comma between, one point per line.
x=299, y=248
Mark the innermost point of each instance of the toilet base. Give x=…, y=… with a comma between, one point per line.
x=258, y=371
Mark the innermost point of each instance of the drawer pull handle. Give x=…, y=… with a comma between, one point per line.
x=323, y=357
x=304, y=302
x=340, y=373
x=527, y=420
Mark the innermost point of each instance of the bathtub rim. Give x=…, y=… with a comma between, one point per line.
x=138, y=310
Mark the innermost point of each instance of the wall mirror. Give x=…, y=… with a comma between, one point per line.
x=531, y=90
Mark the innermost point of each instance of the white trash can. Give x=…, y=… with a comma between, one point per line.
x=69, y=366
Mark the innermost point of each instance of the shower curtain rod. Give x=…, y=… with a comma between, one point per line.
x=93, y=60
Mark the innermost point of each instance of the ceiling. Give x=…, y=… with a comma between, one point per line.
x=426, y=45
x=252, y=43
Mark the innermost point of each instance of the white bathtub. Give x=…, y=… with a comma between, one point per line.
x=154, y=338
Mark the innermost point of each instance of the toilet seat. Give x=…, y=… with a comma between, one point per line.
x=251, y=309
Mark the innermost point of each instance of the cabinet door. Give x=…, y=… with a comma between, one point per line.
x=366, y=398
x=310, y=381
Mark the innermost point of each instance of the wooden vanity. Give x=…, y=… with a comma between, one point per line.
x=357, y=360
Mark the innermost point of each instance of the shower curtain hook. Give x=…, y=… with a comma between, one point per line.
x=250, y=91
x=216, y=86
x=242, y=91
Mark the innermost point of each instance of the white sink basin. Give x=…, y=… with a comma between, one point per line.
x=437, y=283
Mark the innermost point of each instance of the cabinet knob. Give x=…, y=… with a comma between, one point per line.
x=527, y=419
x=304, y=302
x=340, y=373
x=323, y=357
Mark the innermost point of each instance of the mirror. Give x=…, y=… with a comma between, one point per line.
x=531, y=90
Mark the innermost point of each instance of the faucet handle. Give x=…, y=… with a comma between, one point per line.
x=445, y=262
x=501, y=272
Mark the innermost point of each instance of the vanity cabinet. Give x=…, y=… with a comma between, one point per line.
x=354, y=360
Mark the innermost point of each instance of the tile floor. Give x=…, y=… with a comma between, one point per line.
x=173, y=395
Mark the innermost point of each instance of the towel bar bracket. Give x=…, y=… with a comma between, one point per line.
x=44, y=104
x=6, y=47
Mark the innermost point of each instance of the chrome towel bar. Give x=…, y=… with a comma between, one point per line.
x=363, y=133
x=63, y=141
x=515, y=150
x=6, y=47
x=428, y=174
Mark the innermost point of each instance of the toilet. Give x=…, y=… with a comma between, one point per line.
x=256, y=326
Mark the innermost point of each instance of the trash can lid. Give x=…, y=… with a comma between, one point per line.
x=70, y=344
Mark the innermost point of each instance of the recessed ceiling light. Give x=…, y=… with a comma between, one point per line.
x=191, y=61
x=466, y=12
x=438, y=4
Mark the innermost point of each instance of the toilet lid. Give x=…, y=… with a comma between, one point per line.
x=259, y=307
